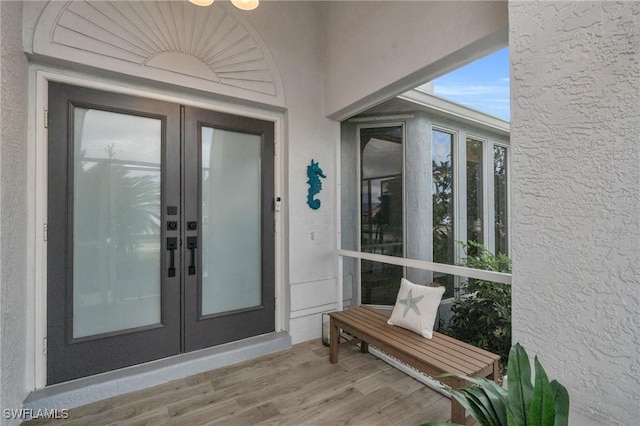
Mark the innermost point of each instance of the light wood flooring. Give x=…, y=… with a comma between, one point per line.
x=294, y=387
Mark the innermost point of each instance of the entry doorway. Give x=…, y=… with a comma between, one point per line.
x=160, y=230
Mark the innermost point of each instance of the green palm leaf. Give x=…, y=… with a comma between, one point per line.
x=561, y=403
x=472, y=405
x=542, y=411
x=520, y=387
x=483, y=402
x=496, y=395
x=491, y=405
x=440, y=424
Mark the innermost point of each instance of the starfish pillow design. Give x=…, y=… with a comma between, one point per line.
x=411, y=303
x=423, y=301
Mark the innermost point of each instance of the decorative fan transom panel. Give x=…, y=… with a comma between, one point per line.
x=176, y=37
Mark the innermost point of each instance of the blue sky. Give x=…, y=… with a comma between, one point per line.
x=482, y=85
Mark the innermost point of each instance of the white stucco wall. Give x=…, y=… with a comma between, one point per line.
x=13, y=205
x=294, y=33
x=576, y=199
x=378, y=49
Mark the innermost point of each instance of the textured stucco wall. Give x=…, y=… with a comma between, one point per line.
x=576, y=199
x=378, y=49
x=13, y=205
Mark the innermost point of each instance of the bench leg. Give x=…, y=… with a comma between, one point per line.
x=494, y=375
x=457, y=413
x=457, y=410
x=364, y=347
x=334, y=334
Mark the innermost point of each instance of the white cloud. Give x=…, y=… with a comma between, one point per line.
x=469, y=90
x=489, y=98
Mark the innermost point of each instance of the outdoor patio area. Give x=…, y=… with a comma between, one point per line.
x=295, y=387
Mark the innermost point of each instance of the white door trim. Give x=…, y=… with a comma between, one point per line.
x=37, y=211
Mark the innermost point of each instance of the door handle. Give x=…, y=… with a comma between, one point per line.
x=192, y=245
x=172, y=246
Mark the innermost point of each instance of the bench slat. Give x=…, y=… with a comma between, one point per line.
x=409, y=342
x=478, y=353
x=461, y=353
x=444, y=353
x=454, y=353
x=402, y=355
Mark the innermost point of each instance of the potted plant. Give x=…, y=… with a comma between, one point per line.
x=524, y=402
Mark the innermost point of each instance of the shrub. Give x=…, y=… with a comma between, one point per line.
x=483, y=316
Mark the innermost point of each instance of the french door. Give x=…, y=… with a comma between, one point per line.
x=160, y=230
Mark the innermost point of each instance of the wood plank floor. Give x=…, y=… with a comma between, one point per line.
x=294, y=387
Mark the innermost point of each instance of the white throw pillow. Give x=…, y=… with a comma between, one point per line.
x=416, y=307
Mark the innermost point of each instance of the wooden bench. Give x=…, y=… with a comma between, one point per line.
x=436, y=356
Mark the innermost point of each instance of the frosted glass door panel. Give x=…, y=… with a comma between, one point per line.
x=231, y=221
x=116, y=221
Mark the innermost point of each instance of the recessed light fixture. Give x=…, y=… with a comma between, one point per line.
x=245, y=4
x=240, y=4
x=201, y=2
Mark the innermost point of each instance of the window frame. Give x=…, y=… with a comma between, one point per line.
x=486, y=174
x=359, y=128
x=458, y=176
x=460, y=131
x=491, y=244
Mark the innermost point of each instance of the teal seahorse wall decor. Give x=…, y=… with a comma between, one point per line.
x=314, y=173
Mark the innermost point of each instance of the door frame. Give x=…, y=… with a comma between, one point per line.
x=39, y=77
